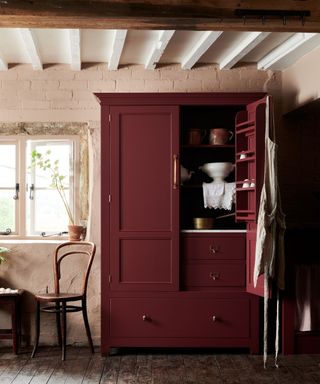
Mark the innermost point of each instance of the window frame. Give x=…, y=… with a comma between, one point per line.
x=21, y=178
x=11, y=140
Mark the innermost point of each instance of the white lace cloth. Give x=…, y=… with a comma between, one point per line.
x=219, y=195
x=8, y=290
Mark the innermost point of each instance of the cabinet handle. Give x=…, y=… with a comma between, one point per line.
x=214, y=319
x=144, y=317
x=175, y=172
x=213, y=249
x=215, y=275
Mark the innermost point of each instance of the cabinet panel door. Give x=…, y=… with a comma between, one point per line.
x=144, y=208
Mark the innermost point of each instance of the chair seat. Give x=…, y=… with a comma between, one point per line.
x=56, y=297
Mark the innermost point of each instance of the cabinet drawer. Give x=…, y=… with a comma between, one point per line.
x=215, y=275
x=214, y=247
x=223, y=318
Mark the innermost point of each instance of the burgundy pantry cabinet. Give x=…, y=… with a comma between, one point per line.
x=164, y=283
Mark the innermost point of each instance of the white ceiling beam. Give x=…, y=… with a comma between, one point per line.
x=119, y=38
x=158, y=49
x=241, y=49
x=75, y=49
x=284, y=49
x=204, y=43
x=30, y=43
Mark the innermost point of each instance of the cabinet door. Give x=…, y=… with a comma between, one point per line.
x=250, y=133
x=249, y=146
x=144, y=210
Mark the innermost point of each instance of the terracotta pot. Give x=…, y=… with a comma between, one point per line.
x=75, y=232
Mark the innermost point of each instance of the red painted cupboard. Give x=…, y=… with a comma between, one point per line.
x=165, y=283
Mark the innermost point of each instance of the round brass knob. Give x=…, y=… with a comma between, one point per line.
x=214, y=319
x=215, y=275
x=213, y=249
x=144, y=317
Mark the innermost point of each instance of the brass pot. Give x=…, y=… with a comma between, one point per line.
x=203, y=222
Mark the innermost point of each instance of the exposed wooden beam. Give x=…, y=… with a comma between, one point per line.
x=75, y=49
x=119, y=38
x=159, y=14
x=284, y=49
x=204, y=43
x=158, y=49
x=30, y=44
x=241, y=49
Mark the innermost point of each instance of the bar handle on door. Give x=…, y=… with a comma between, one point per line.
x=175, y=171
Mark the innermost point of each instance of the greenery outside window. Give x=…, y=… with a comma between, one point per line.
x=28, y=205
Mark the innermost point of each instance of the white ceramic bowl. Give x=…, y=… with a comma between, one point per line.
x=218, y=171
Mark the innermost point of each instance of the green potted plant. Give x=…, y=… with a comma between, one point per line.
x=44, y=162
x=3, y=251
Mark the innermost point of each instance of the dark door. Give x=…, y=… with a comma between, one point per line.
x=144, y=208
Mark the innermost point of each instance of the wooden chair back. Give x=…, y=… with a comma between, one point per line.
x=73, y=249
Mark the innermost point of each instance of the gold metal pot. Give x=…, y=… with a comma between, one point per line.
x=203, y=222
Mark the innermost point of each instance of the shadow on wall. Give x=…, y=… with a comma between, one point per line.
x=299, y=159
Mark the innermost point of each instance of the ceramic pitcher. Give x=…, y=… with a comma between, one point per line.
x=195, y=136
x=219, y=136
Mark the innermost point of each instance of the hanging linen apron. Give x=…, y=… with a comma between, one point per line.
x=269, y=256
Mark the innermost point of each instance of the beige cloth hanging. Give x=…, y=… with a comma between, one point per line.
x=269, y=257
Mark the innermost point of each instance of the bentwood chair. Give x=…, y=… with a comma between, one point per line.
x=58, y=302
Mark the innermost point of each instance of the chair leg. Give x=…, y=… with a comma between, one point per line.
x=58, y=323
x=64, y=330
x=86, y=324
x=37, y=329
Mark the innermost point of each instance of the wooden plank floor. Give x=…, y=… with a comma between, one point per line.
x=152, y=367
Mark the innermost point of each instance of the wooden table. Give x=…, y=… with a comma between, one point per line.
x=12, y=300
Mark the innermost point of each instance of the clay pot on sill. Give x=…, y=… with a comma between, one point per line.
x=76, y=232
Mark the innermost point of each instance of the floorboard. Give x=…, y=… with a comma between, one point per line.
x=153, y=367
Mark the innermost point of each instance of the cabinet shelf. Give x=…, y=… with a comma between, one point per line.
x=248, y=130
x=245, y=189
x=247, y=152
x=206, y=146
x=246, y=123
x=189, y=186
x=246, y=159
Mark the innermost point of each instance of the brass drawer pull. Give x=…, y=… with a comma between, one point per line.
x=215, y=275
x=213, y=249
x=145, y=318
x=214, y=319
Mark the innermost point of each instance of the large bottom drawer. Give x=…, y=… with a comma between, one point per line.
x=197, y=318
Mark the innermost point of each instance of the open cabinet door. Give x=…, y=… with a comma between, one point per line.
x=249, y=146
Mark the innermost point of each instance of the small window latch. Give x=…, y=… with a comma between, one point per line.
x=31, y=192
x=17, y=189
x=6, y=232
x=44, y=234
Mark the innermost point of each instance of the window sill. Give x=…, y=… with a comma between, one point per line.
x=32, y=240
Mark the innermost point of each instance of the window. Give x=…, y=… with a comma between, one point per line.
x=29, y=205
